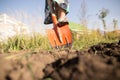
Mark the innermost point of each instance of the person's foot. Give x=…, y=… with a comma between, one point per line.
x=62, y=22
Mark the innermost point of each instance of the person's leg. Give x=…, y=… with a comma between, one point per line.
x=60, y=13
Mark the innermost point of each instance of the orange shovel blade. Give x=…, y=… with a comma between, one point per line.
x=60, y=36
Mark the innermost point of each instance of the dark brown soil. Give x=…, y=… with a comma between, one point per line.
x=99, y=62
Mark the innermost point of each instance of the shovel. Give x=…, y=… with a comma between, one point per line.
x=59, y=35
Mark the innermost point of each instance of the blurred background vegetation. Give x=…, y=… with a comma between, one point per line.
x=81, y=40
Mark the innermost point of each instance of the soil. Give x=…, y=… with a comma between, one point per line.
x=99, y=62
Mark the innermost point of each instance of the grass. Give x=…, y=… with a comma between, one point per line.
x=86, y=40
x=39, y=42
x=76, y=26
x=25, y=42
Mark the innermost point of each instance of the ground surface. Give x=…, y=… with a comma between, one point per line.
x=99, y=62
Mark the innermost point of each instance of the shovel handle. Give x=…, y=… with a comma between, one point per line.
x=54, y=19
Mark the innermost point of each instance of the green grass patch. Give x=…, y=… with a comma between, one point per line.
x=86, y=40
x=39, y=42
x=25, y=42
x=76, y=26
